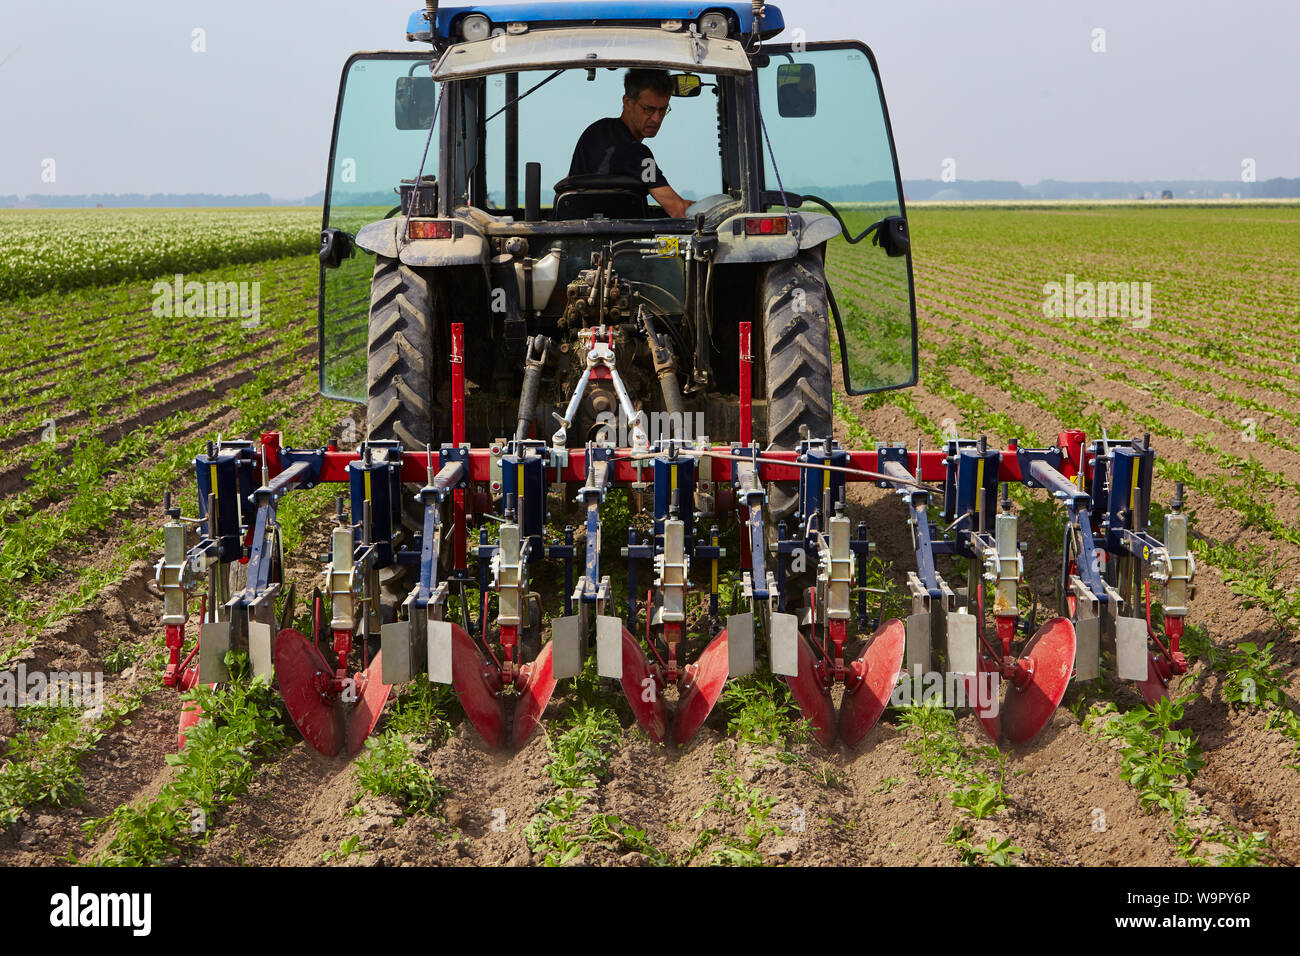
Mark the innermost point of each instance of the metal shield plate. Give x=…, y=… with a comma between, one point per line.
x=260, y=648
x=214, y=641
x=440, y=671
x=566, y=646
x=1087, y=649
x=395, y=643
x=963, y=644
x=785, y=645
x=1131, y=657
x=740, y=644
x=609, y=646
x=917, y=650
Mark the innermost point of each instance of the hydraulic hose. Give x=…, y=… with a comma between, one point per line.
x=661, y=352
x=538, y=350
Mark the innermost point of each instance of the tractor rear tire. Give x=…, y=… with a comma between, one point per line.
x=401, y=388
x=796, y=339
x=400, y=361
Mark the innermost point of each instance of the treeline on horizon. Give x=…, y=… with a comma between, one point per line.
x=915, y=189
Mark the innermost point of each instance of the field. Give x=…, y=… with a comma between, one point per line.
x=105, y=403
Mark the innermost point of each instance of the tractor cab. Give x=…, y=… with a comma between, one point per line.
x=458, y=159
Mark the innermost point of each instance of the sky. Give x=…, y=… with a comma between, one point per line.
x=118, y=97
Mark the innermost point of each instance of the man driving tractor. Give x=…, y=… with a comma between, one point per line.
x=615, y=146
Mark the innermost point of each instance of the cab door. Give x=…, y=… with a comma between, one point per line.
x=824, y=109
x=381, y=124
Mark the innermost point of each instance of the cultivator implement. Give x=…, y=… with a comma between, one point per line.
x=799, y=599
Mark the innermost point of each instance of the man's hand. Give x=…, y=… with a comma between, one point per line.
x=673, y=204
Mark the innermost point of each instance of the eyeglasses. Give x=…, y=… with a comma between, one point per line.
x=652, y=111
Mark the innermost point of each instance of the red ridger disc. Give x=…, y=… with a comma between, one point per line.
x=811, y=695
x=536, y=686
x=1026, y=711
x=303, y=672
x=372, y=694
x=869, y=682
x=191, y=713
x=478, y=685
x=642, y=690
x=1156, y=687
x=698, y=699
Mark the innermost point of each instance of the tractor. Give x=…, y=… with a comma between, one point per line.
x=522, y=357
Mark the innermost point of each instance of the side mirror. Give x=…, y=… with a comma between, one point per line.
x=796, y=89
x=891, y=235
x=414, y=101
x=687, y=84
x=335, y=246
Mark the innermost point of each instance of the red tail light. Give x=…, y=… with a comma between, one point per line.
x=429, y=229
x=767, y=226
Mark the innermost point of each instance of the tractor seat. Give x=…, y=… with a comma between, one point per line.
x=587, y=196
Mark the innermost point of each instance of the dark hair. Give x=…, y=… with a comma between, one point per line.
x=637, y=81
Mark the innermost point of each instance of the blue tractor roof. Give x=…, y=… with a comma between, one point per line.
x=592, y=12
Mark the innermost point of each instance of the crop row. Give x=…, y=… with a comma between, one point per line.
x=49, y=250
x=81, y=406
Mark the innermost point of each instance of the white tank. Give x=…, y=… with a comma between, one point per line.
x=546, y=271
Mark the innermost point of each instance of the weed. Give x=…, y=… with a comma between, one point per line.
x=737, y=804
x=243, y=721
x=387, y=768
x=761, y=711
x=119, y=658
x=350, y=846
x=939, y=751
x=580, y=756
x=420, y=712
x=995, y=853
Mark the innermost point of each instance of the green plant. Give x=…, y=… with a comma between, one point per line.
x=607, y=827
x=580, y=755
x=979, y=801
x=938, y=749
x=419, y=713
x=349, y=846
x=243, y=722
x=1249, y=849
x=761, y=711
x=388, y=769
x=995, y=853
x=1255, y=676
x=43, y=762
x=119, y=658
x=1156, y=758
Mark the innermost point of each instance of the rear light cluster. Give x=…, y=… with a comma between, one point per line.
x=430, y=229
x=767, y=226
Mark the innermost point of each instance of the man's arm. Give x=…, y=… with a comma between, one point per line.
x=673, y=204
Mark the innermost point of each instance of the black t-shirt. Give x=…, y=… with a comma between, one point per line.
x=608, y=148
